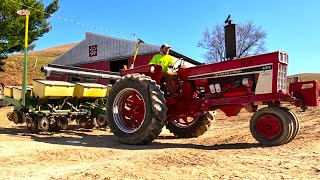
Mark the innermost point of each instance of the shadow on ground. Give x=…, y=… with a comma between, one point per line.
x=82, y=137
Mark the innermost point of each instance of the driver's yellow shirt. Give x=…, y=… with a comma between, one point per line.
x=162, y=60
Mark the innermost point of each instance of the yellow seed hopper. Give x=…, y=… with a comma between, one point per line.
x=89, y=90
x=17, y=91
x=8, y=91
x=52, y=89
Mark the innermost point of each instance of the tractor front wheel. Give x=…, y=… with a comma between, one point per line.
x=136, y=109
x=190, y=127
x=295, y=124
x=272, y=126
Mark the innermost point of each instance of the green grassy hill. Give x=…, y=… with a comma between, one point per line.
x=308, y=76
x=13, y=67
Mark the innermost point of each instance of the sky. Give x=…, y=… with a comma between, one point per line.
x=291, y=25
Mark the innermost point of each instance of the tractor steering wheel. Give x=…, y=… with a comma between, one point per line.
x=175, y=69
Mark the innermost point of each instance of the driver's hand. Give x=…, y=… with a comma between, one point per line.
x=171, y=72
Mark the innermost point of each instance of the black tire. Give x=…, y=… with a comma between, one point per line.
x=101, y=120
x=86, y=122
x=271, y=126
x=81, y=121
x=296, y=124
x=17, y=117
x=43, y=123
x=54, y=128
x=196, y=128
x=89, y=124
x=147, y=108
x=63, y=123
x=32, y=124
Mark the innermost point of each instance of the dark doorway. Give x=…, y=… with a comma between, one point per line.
x=116, y=66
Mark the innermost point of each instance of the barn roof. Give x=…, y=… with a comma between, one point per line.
x=108, y=48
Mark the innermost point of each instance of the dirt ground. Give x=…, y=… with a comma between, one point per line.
x=226, y=151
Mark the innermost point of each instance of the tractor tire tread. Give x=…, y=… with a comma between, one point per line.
x=154, y=100
x=286, y=126
x=202, y=125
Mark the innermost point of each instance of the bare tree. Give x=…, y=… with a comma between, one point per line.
x=250, y=41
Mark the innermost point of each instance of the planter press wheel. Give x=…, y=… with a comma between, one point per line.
x=43, y=123
x=85, y=122
x=17, y=117
x=136, y=109
x=190, y=127
x=271, y=126
x=62, y=123
x=101, y=120
x=32, y=123
x=54, y=127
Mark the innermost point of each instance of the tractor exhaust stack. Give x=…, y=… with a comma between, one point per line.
x=230, y=31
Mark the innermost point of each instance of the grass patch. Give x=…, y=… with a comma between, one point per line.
x=13, y=69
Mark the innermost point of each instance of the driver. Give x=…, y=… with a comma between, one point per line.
x=166, y=61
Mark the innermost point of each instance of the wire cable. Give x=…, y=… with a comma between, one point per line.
x=77, y=23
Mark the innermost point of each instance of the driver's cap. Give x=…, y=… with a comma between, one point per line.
x=165, y=46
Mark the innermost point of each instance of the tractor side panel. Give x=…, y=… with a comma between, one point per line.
x=228, y=68
x=234, y=84
x=264, y=83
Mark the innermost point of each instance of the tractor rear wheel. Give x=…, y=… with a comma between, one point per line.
x=271, y=126
x=136, y=110
x=191, y=127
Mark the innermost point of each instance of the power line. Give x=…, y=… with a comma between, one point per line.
x=75, y=22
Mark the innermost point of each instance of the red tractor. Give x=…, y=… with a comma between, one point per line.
x=138, y=107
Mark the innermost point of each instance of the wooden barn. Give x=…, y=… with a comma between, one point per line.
x=107, y=53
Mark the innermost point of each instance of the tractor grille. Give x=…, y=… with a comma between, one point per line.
x=283, y=57
x=282, y=77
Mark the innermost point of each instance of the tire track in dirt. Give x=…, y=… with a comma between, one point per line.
x=49, y=162
x=226, y=151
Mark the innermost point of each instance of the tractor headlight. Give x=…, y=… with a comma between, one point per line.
x=246, y=82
